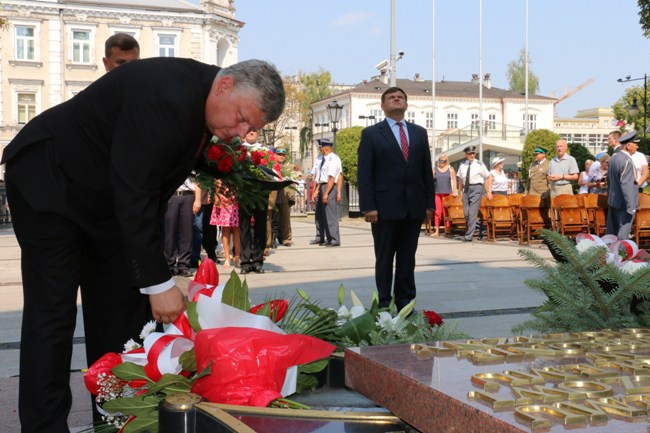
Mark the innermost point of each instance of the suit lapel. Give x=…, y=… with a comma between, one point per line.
x=384, y=127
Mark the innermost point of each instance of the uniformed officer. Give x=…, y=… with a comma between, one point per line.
x=472, y=174
x=327, y=208
x=537, y=183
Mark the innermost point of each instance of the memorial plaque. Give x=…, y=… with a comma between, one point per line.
x=588, y=381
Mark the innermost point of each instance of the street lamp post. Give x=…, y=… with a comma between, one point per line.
x=368, y=118
x=268, y=135
x=334, y=110
x=634, y=108
x=292, y=128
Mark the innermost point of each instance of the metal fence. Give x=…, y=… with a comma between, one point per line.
x=349, y=202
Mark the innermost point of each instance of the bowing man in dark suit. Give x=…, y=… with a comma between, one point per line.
x=88, y=181
x=396, y=194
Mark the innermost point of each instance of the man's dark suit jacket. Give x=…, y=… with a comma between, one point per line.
x=116, y=152
x=397, y=189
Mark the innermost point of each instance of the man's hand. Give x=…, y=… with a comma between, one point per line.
x=196, y=207
x=338, y=196
x=372, y=216
x=554, y=177
x=324, y=200
x=168, y=305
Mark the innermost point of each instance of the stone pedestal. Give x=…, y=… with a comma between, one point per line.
x=596, y=382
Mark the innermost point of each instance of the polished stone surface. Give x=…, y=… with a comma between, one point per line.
x=593, y=382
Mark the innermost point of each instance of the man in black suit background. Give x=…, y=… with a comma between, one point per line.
x=396, y=194
x=88, y=182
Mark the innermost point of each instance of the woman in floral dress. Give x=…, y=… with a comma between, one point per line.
x=225, y=214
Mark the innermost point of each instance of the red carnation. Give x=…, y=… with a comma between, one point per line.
x=277, y=308
x=242, y=154
x=102, y=365
x=257, y=157
x=433, y=318
x=225, y=165
x=215, y=152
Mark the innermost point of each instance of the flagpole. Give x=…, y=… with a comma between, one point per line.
x=433, y=81
x=480, y=79
x=526, y=123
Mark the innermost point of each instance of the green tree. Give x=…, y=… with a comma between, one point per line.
x=621, y=107
x=516, y=74
x=644, y=17
x=347, y=144
x=314, y=86
x=538, y=138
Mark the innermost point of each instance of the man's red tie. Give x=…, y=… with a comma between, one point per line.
x=403, y=141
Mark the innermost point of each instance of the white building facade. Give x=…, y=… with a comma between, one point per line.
x=52, y=50
x=457, y=114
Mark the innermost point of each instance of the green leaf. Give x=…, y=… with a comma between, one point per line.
x=303, y=294
x=130, y=371
x=235, y=293
x=136, y=406
x=193, y=316
x=306, y=382
x=358, y=328
x=187, y=360
x=341, y=296
x=314, y=367
x=170, y=384
x=143, y=423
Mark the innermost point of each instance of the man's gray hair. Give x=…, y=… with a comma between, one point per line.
x=263, y=78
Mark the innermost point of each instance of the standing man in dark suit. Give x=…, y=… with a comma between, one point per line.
x=88, y=182
x=622, y=191
x=396, y=194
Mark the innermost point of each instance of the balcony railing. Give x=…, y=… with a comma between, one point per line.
x=458, y=137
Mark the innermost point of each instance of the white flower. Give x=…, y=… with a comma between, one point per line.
x=131, y=345
x=345, y=314
x=147, y=329
x=631, y=266
x=387, y=322
x=586, y=244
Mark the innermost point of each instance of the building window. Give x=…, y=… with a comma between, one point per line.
x=532, y=122
x=410, y=116
x=166, y=45
x=492, y=121
x=26, y=107
x=475, y=122
x=452, y=120
x=379, y=115
x=429, y=120
x=25, y=43
x=81, y=46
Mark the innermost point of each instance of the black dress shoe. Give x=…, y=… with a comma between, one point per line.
x=333, y=245
x=257, y=269
x=287, y=244
x=467, y=240
x=315, y=242
x=245, y=271
x=184, y=273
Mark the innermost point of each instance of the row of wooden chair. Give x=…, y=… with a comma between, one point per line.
x=519, y=217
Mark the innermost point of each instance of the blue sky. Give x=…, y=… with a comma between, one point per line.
x=570, y=41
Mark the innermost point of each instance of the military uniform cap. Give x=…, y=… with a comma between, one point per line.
x=627, y=137
x=470, y=149
x=324, y=142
